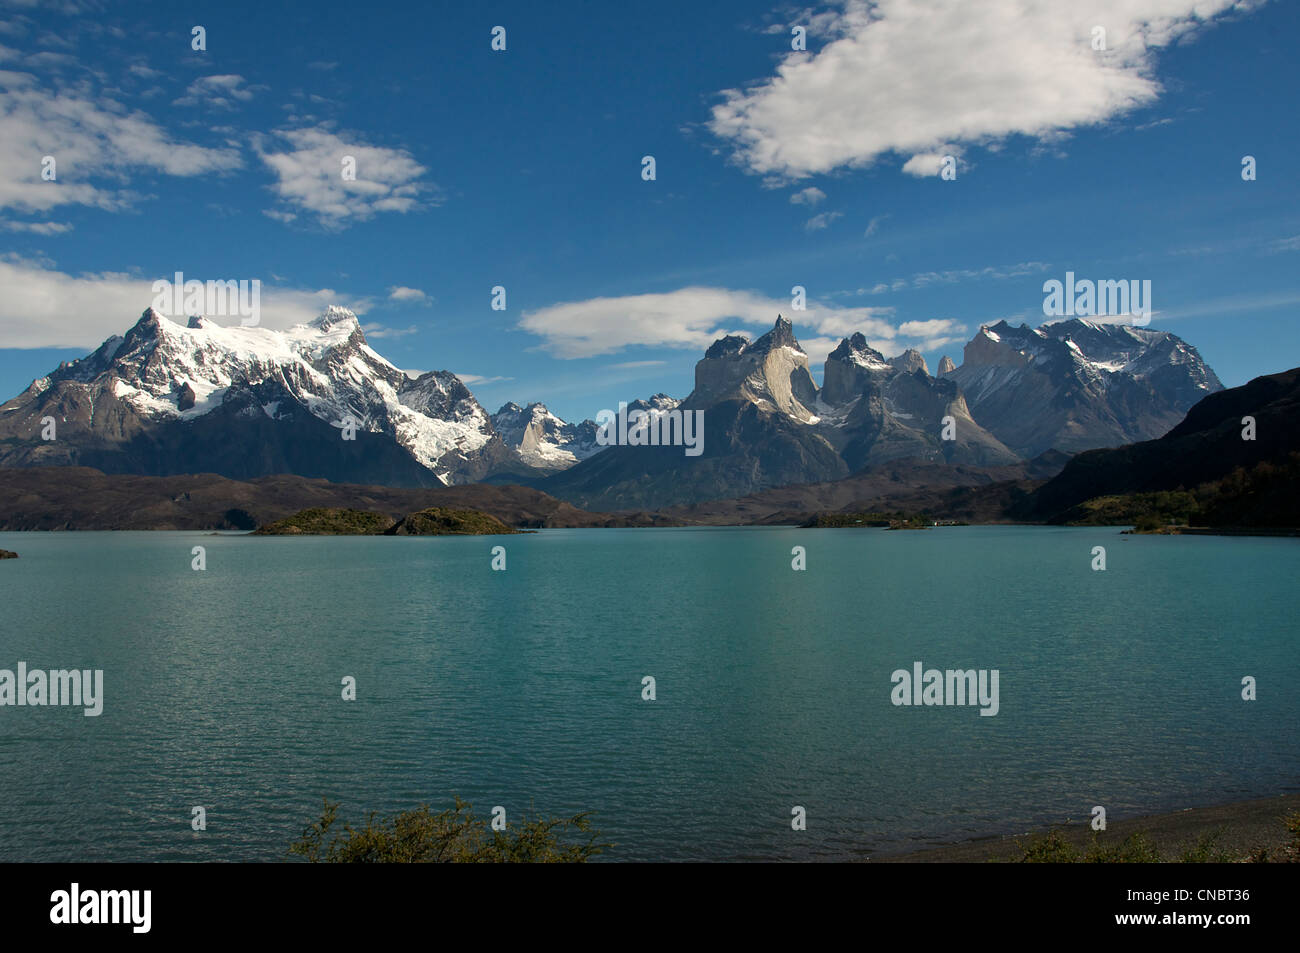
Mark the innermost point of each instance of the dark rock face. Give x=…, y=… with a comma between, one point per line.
x=1075, y=385
x=766, y=424
x=1206, y=446
x=185, y=398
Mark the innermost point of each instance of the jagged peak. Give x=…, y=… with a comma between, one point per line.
x=728, y=346
x=335, y=315
x=910, y=361
x=856, y=346
x=151, y=325
x=946, y=366
x=781, y=335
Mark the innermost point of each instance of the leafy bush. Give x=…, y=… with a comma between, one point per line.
x=1054, y=848
x=455, y=835
x=1051, y=848
x=1206, y=851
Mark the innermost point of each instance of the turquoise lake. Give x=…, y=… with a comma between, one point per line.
x=523, y=688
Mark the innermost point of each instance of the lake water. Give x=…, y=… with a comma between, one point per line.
x=523, y=688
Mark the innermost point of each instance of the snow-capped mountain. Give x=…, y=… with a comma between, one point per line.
x=543, y=440
x=767, y=424
x=880, y=409
x=248, y=401
x=1077, y=385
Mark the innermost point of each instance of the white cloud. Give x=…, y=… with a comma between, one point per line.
x=45, y=307
x=220, y=92
x=928, y=164
x=402, y=293
x=818, y=222
x=693, y=318
x=95, y=143
x=473, y=380
x=924, y=279
x=37, y=228
x=905, y=77
x=309, y=178
x=808, y=196
x=378, y=331
x=935, y=327
x=873, y=226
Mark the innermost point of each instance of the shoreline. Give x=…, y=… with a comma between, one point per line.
x=1240, y=826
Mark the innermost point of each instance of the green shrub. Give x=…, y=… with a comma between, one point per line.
x=1051, y=848
x=455, y=835
x=1206, y=851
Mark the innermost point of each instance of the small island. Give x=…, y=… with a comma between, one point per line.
x=329, y=521
x=437, y=521
x=434, y=521
x=871, y=519
x=6, y=554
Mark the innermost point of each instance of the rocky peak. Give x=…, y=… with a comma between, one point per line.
x=729, y=346
x=946, y=366
x=149, y=325
x=855, y=349
x=781, y=335
x=337, y=317
x=1077, y=385
x=772, y=372
x=909, y=362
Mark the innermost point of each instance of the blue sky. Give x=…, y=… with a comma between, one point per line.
x=523, y=168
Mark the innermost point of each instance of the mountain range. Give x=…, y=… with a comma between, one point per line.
x=319, y=402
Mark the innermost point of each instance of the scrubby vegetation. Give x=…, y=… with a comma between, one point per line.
x=882, y=520
x=1055, y=848
x=437, y=521
x=455, y=835
x=1150, y=510
x=434, y=521
x=1262, y=496
x=322, y=521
